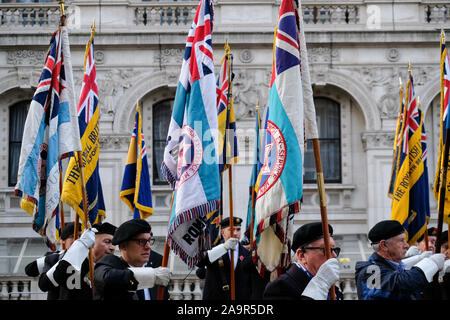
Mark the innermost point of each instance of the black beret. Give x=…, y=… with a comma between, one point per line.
x=68, y=230
x=308, y=233
x=444, y=237
x=384, y=230
x=431, y=232
x=129, y=229
x=226, y=222
x=105, y=228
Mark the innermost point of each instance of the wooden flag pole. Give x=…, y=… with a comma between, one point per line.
x=86, y=223
x=232, y=275
x=252, y=222
x=443, y=180
x=165, y=260
x=323, y=205
x=61, y=206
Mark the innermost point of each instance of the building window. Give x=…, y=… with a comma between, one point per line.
x=17, y=117
x=162, y=112
x=329, y=127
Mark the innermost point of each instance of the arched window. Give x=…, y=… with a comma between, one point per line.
x=329, y=127
x=17, y=117
x=162, y=112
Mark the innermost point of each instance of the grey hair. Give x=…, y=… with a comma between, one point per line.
x=376, y=246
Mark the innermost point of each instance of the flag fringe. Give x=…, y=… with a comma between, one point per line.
x=204, y=240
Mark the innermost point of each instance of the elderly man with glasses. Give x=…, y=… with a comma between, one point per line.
x=388, y=275
x=129, y=277
x=312, y=274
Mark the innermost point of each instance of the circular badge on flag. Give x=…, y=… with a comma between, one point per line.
x=190, y=155
x=274, y=158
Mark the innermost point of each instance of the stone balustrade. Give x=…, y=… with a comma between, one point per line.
x=350, y=15
x=180, y=287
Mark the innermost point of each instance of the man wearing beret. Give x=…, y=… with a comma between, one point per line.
x=385, y=276
x=128, y=277
x=218, y=268
x=432, y=236
x=71, y=273
x=42, y=265
x=312, y=274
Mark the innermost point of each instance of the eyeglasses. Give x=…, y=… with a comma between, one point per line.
x=335, y=250
x=143, y=242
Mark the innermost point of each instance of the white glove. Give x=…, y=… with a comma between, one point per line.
x=413, y=260
x=149, y=277
x=231, y=243
x=447, y=266
x=40, y=264
x=431, y=265
x=79, y=249
x=49, y=274
x=412, y=251
x=320, y=284
x=219, y=250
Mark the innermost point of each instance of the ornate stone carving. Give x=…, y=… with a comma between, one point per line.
x=111, y=86
x=246, y=56
x=389, y=105
x=26, y=57
x=323, y=55
x=169, y=56
x=249, y=87
x=99, y=57
x=377, y=140
x=393, y=55
x=114, y=142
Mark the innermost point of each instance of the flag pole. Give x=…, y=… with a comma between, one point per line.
x=443, y=180
x=323, y=205
x=61, y=206
x=86, y=224
x=165, y=260
x=230, y=173
x=252, y=222
x=425, y=234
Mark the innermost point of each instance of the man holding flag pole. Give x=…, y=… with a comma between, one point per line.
x=191, y=155
x=291, y=114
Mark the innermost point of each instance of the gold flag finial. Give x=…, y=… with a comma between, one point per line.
x=409, y=67
x=61, y=7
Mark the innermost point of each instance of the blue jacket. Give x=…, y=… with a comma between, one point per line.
x=381, y=279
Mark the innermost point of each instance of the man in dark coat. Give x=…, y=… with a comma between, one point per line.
x=44, y=283
x=218, y=268
x=72, y=273
x=129, y=277
x=312, y=274
x=384, y=276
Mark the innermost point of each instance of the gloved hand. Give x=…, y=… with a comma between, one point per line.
x=412, y=251
x=79, y=249
x=320, y=284
x=413, y=260
x=149, y=277
x=219, y=250
x=231, y=243
x=162, y=276
x=431, y=265
x=446, y=268
x=88, y=237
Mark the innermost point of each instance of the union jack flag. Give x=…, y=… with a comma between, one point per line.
x=88, y=116
x=228, y=148
x=190, y=157
x=445, y=125
x=50, y=133
x=410, y=197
